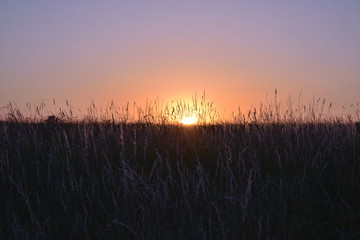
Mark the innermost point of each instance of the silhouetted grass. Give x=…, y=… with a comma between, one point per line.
x=115, y=180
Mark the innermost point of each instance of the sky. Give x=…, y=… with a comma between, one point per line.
x=238, y=52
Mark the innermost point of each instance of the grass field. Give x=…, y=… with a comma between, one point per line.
x=263, y=176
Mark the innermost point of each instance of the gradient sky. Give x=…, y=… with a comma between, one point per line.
x=237, y=51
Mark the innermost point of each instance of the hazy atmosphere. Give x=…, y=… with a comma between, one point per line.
x=126, y=51
x=180, y=119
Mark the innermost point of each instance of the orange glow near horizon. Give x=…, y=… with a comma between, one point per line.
x=152, y=54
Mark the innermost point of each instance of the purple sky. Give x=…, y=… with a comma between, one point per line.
x=237, y=51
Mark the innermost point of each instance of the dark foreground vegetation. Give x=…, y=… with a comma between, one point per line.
x=91, y=180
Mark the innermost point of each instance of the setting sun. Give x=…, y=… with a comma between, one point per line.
x=189, y=120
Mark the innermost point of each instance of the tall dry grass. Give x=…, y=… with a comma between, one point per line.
x=268, y=174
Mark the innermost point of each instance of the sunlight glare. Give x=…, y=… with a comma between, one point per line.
x=189, y=120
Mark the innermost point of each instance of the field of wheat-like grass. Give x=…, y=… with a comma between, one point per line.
x=262, y=176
